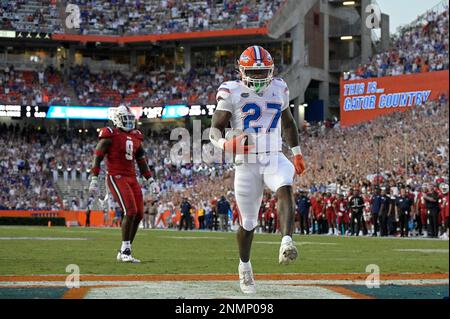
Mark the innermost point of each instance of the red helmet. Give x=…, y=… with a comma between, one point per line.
x=256, y=68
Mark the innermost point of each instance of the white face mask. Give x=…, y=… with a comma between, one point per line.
x=128, y=122
x=257, y=78
x=124, y=119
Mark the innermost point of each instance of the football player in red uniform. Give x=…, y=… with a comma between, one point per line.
x=318, y=216
x=121, y=146
x=368, y=227
x=330, y=213
x=343, y=220
x=444, y=207
x=421, y=212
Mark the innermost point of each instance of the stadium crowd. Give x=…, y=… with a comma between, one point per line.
x=41, y=87
x=148, y=88
x=30, y=16
x=120, y=17
x=419, y=47
x=339, y=159
x=342, y=161
x=25, y=179
x=170, y=16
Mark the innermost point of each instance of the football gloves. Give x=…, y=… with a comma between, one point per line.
x=299, y=164
x=236, y=145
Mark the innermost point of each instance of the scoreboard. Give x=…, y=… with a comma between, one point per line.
x=101, y=113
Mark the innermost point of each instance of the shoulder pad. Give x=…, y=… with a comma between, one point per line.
x=226, y=89
x=107, y=132
x=279, y=82
x=138, y=134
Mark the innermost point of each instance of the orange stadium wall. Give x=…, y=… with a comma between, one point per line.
x=367, y=99
x=80, y=216
x=70, y=216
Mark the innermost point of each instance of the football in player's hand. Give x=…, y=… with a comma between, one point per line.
x=235, y=132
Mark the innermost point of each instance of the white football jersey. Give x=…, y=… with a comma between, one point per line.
x=257, y=114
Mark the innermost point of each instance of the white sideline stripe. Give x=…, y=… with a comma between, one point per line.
x=300, y=243
x=118, y=194
x=43, y=238
x=324, y=282
x=417, y=250
x=191, y=237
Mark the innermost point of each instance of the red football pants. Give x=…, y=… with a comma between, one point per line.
x=127, y=193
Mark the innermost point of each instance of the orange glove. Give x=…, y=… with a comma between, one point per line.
x=299, y=164
x=236, y=145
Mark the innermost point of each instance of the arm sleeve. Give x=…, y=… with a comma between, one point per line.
x=223, y=98
x=284, y=90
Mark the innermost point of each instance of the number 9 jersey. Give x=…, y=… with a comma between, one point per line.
x=120, y=156
x=258, y=114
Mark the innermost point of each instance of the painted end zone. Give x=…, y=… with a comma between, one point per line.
x=290, y=286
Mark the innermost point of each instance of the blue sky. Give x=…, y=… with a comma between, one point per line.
x=402, y=12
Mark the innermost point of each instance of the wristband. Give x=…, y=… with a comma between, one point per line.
x=296, y=150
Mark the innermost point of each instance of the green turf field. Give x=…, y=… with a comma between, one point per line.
x=173, y=252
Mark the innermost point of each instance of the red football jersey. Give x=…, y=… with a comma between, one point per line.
x=329, y=204
x=317, y=206
x=120, y=156
x=341, y=205
x=445, y=206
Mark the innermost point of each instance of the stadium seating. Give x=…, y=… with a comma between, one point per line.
x=419, y=47
x=169, y=16
x=30, y=16
x=147, y=88
x=28, y=87
x=119, y=17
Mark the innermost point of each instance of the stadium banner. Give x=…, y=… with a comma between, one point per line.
x=101, y=113
x=366, y=99
x=97, y=218
x=72, y=217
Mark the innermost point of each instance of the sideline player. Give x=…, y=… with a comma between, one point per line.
x=256, y=105
x=122, y=146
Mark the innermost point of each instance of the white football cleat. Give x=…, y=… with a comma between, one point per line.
x=444, y=236
x=288, y=252
x=125, y=256
x=246, y=280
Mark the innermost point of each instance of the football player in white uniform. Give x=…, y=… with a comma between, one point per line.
x=258, y=107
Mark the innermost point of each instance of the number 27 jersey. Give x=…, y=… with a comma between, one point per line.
x=120, y=156
x=257, y=114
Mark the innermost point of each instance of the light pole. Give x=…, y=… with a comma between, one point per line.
x=378, y=139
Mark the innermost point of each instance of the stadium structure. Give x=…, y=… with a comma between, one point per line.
x=310, y=56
